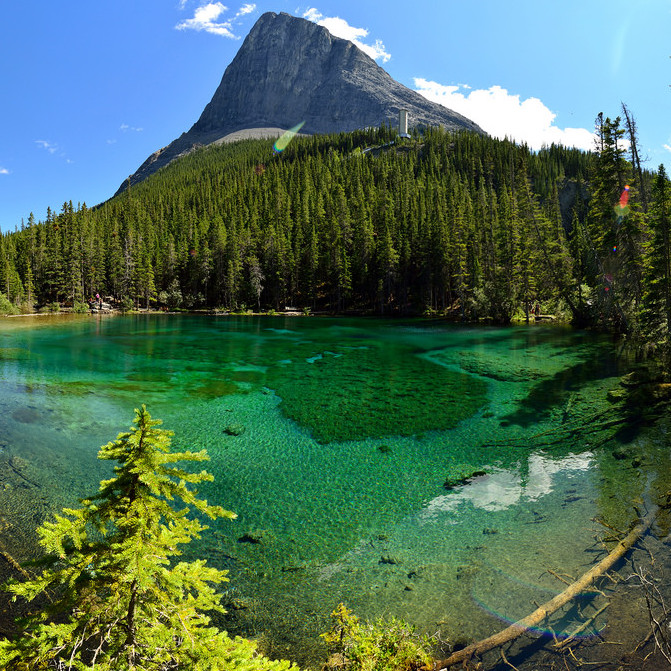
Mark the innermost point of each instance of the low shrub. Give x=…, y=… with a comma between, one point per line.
x=80, y=308
x=51, y=307
x=381, y=645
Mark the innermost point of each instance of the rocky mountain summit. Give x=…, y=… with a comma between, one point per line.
x=290, y=70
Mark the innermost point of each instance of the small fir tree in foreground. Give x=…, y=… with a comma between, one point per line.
x=113, y=597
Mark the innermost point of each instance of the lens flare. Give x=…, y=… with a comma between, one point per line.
x=286, y=137
x=622, y=207
x=500, y=593
x=624, y=198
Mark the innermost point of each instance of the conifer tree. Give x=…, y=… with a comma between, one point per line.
x=112, y=596
x=614, y=238
x=332, y=225
x=657, y=297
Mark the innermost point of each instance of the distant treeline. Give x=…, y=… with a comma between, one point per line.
x=452, y=223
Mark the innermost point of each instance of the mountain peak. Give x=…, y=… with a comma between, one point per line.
x=290, y=70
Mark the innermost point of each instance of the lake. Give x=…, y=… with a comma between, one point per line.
x=406, y=468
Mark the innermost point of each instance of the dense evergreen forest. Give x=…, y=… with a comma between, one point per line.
x=456, y=224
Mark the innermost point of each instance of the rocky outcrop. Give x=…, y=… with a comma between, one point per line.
x=290, y=70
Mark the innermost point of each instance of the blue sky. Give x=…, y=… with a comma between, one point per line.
x=90, y=89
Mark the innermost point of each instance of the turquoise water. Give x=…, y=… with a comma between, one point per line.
x=347, y=448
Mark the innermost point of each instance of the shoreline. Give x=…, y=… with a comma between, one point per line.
x=535, y=320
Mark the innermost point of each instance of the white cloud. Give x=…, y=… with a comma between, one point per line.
x=502, y=114
x=4, y=171
x=340, y=28
x=245, y=9
x=206, y=18
x=51, y=147
x=125, y=127
x=667, y=147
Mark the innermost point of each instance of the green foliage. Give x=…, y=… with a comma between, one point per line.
x=6, y=306
x=79, y=307
x=614, y=235
x=172, y=298
x=53, y=307
x=323, y=225
x=241, y=310
x=335, y=413
x=126, y=304
x=27, y=307
x=375, y=646
x=112, y=596
x=656, y=313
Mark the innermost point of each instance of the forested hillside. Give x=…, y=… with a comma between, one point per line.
x=452, y=223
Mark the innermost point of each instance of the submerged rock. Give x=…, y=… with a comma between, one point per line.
x=634, y=379
x=234, y=429
x=466, y=571
x=621, y=453
x=18, y=463
x=616, y=395
x=457, y=481
x=239, y=604
x=389, y=559
x=253, y=537
x=26, y=415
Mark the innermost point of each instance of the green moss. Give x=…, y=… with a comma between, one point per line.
x=357, y=393
x=149, y=376
x=216, y=388
x=75, y=388
x=494, y=367
x=13, y=353
x=250, y=376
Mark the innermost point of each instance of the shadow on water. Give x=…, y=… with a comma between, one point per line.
x=555, y=392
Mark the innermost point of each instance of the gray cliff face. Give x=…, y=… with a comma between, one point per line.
x=290, y=70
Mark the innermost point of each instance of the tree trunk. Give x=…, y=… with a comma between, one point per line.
x=543, y=612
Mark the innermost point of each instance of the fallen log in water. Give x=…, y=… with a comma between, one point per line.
x=543, y=612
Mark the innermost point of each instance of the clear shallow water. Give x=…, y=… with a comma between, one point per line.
x=352, y=429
